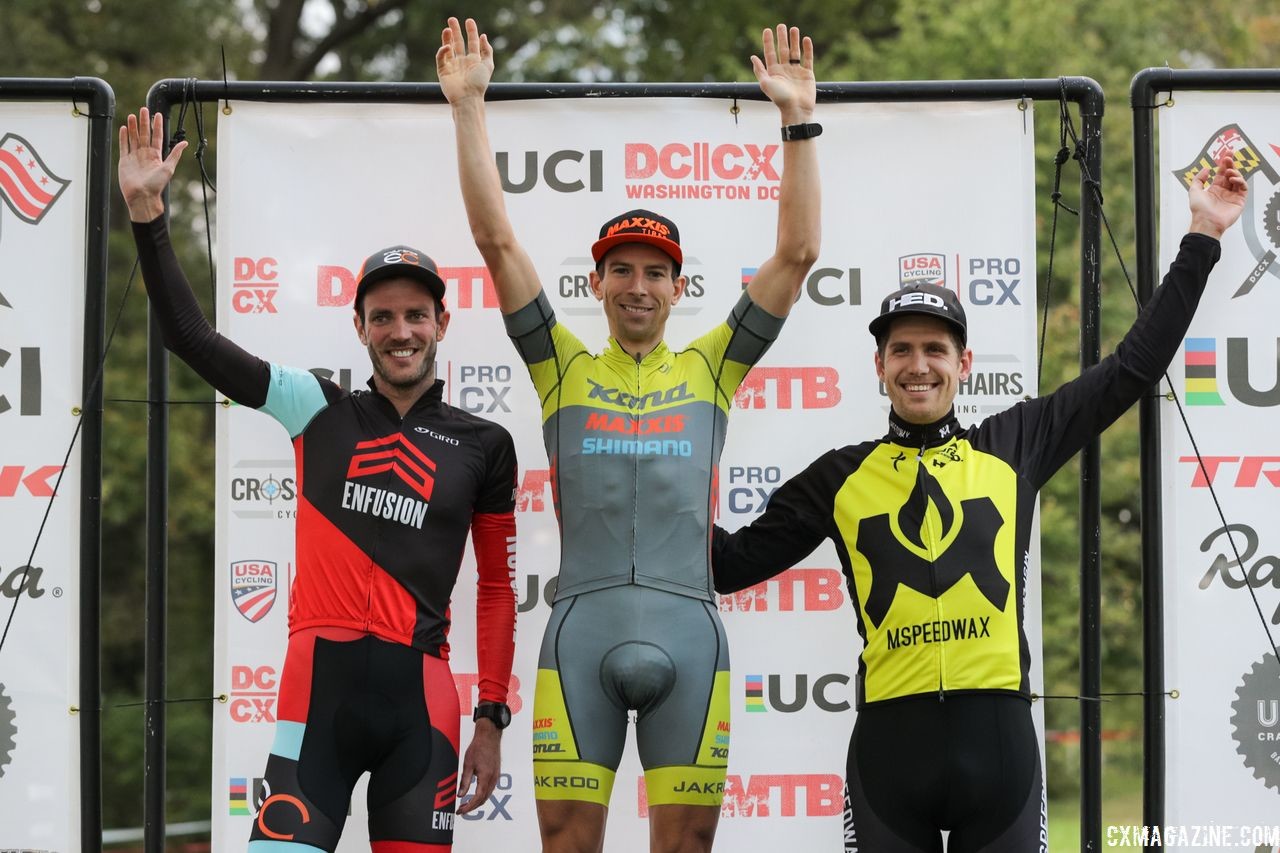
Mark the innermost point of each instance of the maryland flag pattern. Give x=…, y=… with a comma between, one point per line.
x=1229, y=138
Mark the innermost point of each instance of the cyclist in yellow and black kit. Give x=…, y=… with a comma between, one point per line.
x=634, y=436
x=932, y=524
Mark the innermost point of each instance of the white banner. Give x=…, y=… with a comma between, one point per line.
x=306, y=192
x=43, y=177
x=1223, y=754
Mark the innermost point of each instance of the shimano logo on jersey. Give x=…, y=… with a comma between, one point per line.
x=917, y=298
x=628, y=447
x=381, y=503
x=618, y=397
x=437, y=436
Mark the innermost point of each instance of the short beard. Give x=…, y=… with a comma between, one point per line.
x=428, y=365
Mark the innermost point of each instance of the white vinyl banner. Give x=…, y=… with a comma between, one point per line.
x=943, y=191
x=43, y=175
x=1223, y=754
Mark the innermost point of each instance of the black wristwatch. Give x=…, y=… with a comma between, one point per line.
x=495, y=712
x=801, y=131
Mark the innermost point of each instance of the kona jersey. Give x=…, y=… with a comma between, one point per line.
x=932, y=523
x=384, y=502
x=634, y=446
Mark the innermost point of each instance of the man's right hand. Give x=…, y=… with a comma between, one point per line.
x=143, y=172
x=463, y=66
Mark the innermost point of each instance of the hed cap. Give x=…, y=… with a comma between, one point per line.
x=929, y=299
x=639, y=226
x=398, y=261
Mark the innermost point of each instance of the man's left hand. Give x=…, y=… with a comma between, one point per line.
x=1216, y=204
x=786, y=73
x=483, y=762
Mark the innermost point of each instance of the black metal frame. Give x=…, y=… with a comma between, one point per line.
x=1083, y=91
x=101, y=103
x=1142, y=99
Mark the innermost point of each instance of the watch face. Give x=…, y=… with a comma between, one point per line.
x=499, y=714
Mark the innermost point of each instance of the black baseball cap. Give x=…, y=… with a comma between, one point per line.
x=928, y=299
x=639, y=226
x=396, y=261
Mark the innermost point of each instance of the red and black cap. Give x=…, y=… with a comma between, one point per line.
x=397, y=261
x=929, y=299
x=639, y=226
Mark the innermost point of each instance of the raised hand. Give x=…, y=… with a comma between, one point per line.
x=143, y=171
x=786, y=73
x=463, y=66
x=1216, y=204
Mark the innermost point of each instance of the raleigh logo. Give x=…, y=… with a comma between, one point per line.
x=1264, y=572
x=701, y=170
x=1249, y=161
x=969, y=551
x=253, y=588
x=1202, y=388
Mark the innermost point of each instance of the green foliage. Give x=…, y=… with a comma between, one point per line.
x=132, y=43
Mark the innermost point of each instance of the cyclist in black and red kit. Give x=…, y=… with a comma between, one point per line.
x=391, y=480
x=932, y=524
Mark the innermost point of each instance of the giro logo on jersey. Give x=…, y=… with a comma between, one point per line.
x=562, y=171
x=29, y=385
x=765, y=692
x=784, y=387
x=1237, y=573
x=466, y=287
x=701, y=170
x=770, y=795
x=253, y=694
x=1248, y=470
x=285, y=813
x=966, y=544
x=654, y=399
x=395, y=454
x=254, y=286
x=809, y=590
x=1202, y=387
x=36, y=482
x=924, y=268
x=253, y=588
x=1262, y=238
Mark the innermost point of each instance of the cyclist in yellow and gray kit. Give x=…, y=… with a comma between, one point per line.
x=932, y=524
x=634, y=436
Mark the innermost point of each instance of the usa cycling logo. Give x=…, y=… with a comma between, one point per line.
x=253, y=588
x=1263, y=242
x=396, y=455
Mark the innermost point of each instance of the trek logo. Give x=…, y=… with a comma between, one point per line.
x=1249, y=469
x=1235, y=574
x=484, y=389
x=465, y=287
x=254, y=286
x=617, y=397
x=253, y=694
x=771, y=795
x=765, y=692
x=397, y=455
x=37, y=482
x=784, y=387
x=701, y=170
x=1202, y=387
x=1263, y=239
x=26, y=579
x=754, y=486
x=30, y=387
x=555, y=170
x=816, y=289
x=970, y=550
x=808, y=590
x=253, y=587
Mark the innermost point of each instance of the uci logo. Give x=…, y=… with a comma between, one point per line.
x=916, y=299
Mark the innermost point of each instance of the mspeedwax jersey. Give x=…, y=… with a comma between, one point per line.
x=384, y=502
x=932, y=523
x=634, y=446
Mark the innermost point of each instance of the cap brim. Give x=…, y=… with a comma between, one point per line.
x=434, y=283
x=880, y=324
x=669, y=247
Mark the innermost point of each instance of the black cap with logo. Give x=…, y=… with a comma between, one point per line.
x=929, y=299
x=639, y=226
x=397, y=261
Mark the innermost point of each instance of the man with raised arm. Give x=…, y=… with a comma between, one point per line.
x=634, y=436
x=932, y=523
x=391, y=479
